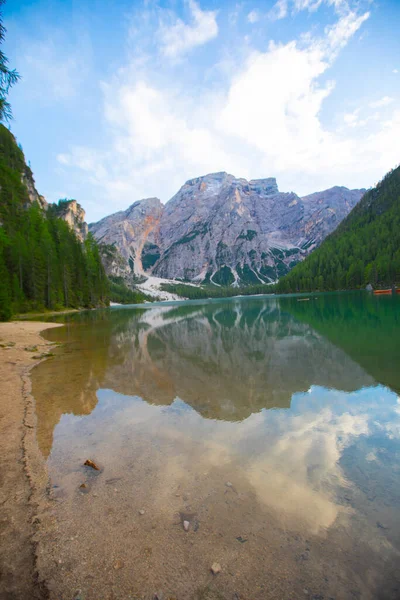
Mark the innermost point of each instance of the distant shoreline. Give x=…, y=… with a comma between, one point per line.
x=50, y=313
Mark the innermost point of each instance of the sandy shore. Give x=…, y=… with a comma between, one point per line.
x=22, y=473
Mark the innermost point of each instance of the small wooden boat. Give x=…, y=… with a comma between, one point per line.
x=379, y=292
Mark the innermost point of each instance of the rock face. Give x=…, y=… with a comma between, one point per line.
x=73, y=213
x=33, y=194
x=222, y=230
x=134, y=233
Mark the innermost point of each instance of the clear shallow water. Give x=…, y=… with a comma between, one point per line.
x=272, y=425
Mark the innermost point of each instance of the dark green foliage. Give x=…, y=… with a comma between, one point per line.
x=246, y=275
x=277, y=253
x=150, y=255
x=281, y=268
x=5, y=293
x=199, y=293
x=190, y=236
x=248, y=235
x=268, y=271
x=8, y=77
x=120, y=293
x=207, y=278
x=365, y=248
x=224, y=276
x=291, y=251
x=42, y=263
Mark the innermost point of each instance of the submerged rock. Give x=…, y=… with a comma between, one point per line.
x=31, y=348
x=7, y=344
x=43, y=355
x=83, y=488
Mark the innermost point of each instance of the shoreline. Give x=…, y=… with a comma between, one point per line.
x=23, y=475
x=52, y=313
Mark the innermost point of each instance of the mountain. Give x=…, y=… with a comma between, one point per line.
x=222, y=230
x=364, y=249
x=134, y=233
x=72, y=213
x=47, y=260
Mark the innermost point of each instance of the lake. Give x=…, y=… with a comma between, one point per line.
x=261, y=434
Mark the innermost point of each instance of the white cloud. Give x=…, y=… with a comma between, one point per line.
x=338, y=36
x=395, y=71
x=179, y=37
x=351, y=119
x=253, y=17
x=279, y=10
x=262, y=118
x=385, y=101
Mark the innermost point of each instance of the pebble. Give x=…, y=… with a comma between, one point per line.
x=186, y=525
x=228, y=484
x=92, y=464
x=141, y=511
x=119, y=564
x=216, y=568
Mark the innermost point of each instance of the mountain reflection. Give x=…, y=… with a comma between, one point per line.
x=226, y=360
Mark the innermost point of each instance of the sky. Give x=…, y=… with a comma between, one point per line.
x=127, y=100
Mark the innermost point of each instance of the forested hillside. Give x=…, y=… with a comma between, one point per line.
x=364, y=249
x=192, y=292
x=43, y=265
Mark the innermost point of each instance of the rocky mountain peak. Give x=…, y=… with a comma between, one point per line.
x=144, y=205
x=222, y=230
x=264, y=187
x=72, y=212
x=219, y=177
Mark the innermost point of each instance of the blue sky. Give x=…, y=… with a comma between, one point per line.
x=126, y=100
